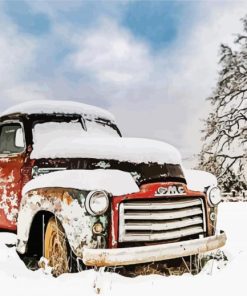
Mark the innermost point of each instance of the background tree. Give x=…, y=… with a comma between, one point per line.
x=224, y=152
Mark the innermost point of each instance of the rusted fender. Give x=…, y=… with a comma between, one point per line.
x=159, y=252
x=68, y=207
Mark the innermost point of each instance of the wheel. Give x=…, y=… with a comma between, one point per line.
x=56, y=247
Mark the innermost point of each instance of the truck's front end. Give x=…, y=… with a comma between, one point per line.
x=128, y=213
x=165, y=220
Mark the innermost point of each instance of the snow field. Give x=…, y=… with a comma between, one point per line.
x=216, y=278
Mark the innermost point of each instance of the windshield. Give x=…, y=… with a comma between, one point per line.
x=45, y=132
x=99, y=128
x=69, y=128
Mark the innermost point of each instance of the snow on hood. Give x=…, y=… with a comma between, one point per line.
x=113, y=181
x=197, y=180
x=123, y=149
x=49, y=107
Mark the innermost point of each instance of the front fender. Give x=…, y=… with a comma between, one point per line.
x=65, y=204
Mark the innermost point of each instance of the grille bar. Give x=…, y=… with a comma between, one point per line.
x=160, y=219
x=161, y=205
x=163, y=236
x=169, y=215
x=158, y=226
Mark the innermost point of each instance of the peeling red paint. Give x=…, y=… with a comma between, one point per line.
x=11, y=183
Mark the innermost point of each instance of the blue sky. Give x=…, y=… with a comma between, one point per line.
x=157, y=22
x=152, y=63
x=26, y=19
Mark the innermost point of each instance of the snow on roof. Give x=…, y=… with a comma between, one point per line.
x=113, y=181
x=197, y=180
x=123, y=149
x=49, y=106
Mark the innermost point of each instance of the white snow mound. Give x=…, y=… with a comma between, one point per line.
x=197, y=180
x=134, y=150
x=113, y=181
x=55, y=106
x=16, y=279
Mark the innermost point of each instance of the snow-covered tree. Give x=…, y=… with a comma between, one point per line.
x=224, y=152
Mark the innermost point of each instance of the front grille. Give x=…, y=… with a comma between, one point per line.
x=160, y=219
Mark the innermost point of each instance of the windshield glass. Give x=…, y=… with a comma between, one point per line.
x=99, y=128
x=48, y=131
x=70, y=128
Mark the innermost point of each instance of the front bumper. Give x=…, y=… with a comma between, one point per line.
x=136, y=255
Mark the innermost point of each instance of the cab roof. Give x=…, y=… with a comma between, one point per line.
x=58, y=107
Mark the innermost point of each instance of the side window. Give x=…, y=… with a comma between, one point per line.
x=11, y=138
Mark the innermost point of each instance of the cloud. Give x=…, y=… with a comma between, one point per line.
x=158, y=94
x=17, y=52
x=53, y=8
x=26, y=91
x=111, y=55
x=17, y=59
x=80, y=12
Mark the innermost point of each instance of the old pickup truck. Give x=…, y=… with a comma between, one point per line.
x=76, y=191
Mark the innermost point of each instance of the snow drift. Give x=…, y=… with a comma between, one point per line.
x=123, y=149
x=198, y=180
x=215, y=279
x=113, y=181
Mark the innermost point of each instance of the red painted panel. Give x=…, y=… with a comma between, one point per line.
x=146, y=191
x=11, y=183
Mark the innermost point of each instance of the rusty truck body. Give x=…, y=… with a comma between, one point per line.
x=65, y=168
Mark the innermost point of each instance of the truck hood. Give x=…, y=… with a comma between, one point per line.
x=113, y=181
x=135, y=150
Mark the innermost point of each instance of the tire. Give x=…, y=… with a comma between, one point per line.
x=56, y=248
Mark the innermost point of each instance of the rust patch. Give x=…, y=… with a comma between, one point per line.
x=68, y=206
x=67, y=198
x=11, y=182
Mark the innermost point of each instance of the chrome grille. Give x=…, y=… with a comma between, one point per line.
x=160, y=219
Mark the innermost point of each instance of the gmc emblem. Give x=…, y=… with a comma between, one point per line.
x=170, y=190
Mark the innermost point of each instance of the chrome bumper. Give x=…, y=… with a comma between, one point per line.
x=136, y=255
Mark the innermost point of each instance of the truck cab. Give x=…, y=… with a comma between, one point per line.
x=65, y=169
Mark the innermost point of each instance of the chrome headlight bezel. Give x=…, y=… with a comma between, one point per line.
x=90, y=202
x=214, y=196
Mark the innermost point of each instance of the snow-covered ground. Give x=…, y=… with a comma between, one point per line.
x=16, y=279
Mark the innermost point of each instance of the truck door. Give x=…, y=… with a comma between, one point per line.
x=12, y=155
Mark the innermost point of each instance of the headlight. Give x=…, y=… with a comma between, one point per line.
x=214, y=196
x=97, y=203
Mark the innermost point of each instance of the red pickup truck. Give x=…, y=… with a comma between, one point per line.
x=76, y=191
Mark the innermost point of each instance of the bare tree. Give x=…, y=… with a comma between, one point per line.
x=224, y=152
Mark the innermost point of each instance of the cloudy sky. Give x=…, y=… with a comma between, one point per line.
x=152, y=63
